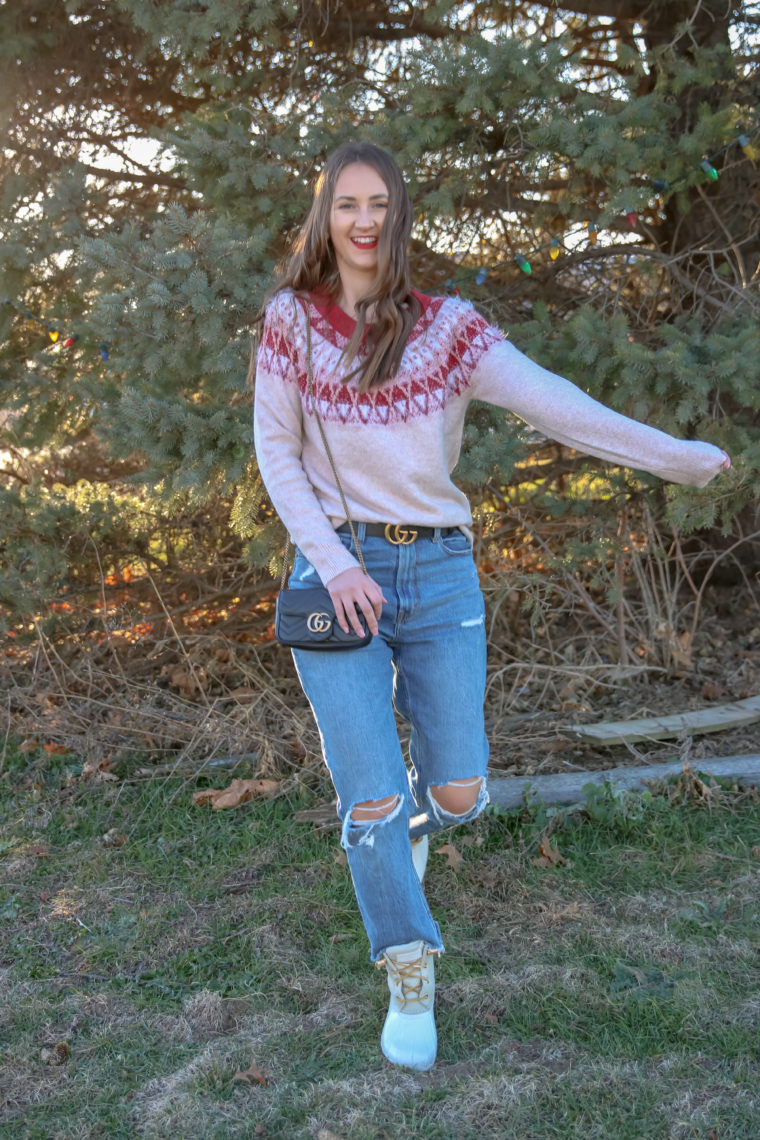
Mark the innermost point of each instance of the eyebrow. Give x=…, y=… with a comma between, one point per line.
x=351, y=198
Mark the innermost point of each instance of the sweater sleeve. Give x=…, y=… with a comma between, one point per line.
x=277, y=433
x=562, y=411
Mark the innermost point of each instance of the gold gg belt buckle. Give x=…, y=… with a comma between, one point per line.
x=398, y=535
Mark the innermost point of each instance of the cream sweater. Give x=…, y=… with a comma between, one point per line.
x=395, y=446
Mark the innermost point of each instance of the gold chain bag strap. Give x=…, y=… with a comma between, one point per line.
x=305, y=618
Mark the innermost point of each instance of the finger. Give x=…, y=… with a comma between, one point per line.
x=361, y=605
x=368, y=612
x=374, y=599
x=340, y=612
x=346, y=615
x=354, y=622
x=377, y=598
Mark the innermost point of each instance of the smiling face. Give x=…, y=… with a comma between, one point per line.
x=359, y=208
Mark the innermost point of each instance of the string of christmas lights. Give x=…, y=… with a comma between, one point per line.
x=480, y=274
x=660, y=185
x=54, y=333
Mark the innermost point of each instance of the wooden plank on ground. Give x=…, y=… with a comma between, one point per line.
x=567, y=787
x=715, y=719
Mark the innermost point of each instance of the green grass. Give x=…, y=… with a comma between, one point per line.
x=614, y=996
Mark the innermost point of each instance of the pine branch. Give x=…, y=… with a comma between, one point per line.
x=614, y=9
x=47, y=161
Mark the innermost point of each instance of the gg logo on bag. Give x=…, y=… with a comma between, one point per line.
x=318, y=623
x=399, y=536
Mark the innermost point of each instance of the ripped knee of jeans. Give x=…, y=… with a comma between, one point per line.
x=361, y=832
x=444, y=816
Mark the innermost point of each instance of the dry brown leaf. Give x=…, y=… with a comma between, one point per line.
x=559, y=744
x=491, y=1018
x=567, y=692
x=186, y=680
x=755, y=851
x=251, y=1075
x=98, y=768
x=691, y=786
x=711, y=691
x=340, y=858
x=339, y=937
x=327, y=1134
x=549, y=856
x=27, y=746
x=453, y=858
x=58, y=1055
x=238, y=792
x=114, y=838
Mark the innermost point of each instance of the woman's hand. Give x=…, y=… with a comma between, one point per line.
x=726, y=461
x=354, y=588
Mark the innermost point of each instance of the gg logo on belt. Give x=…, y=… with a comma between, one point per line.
x=398, y=535
x=318, y=623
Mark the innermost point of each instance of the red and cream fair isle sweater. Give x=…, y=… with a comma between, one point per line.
x=395, y=446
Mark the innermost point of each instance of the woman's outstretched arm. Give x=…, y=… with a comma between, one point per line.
x=562, y=411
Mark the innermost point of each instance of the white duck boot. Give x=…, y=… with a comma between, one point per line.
x=409, y=1037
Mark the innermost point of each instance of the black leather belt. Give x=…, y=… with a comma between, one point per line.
x=399, y=534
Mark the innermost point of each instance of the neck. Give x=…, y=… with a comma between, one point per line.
x=352, y=289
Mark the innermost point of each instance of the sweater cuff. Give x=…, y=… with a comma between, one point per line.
x=329, y=561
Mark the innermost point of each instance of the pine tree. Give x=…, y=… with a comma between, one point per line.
x=157, y=156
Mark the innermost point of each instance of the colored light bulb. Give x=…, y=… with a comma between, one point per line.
x=747, y=147
x=481, y=277
x=103, y=350
x=523, y=263
x=70, y=340
x=554, y=249
x=631, y=217
x=660, y=184
x=592, y=234
x=709, y=169
x=53, y=334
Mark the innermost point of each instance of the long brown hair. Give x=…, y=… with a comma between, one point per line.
x=312, y=267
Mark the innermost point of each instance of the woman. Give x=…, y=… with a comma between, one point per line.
x=393, y=373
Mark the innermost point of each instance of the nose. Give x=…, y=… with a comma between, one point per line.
x=363, y=221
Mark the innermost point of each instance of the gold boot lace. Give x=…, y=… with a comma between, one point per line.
x=409, y=976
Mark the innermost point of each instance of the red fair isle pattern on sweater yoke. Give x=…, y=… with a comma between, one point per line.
x=441, y=355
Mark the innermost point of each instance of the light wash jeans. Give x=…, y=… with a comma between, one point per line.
x=429, y=664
